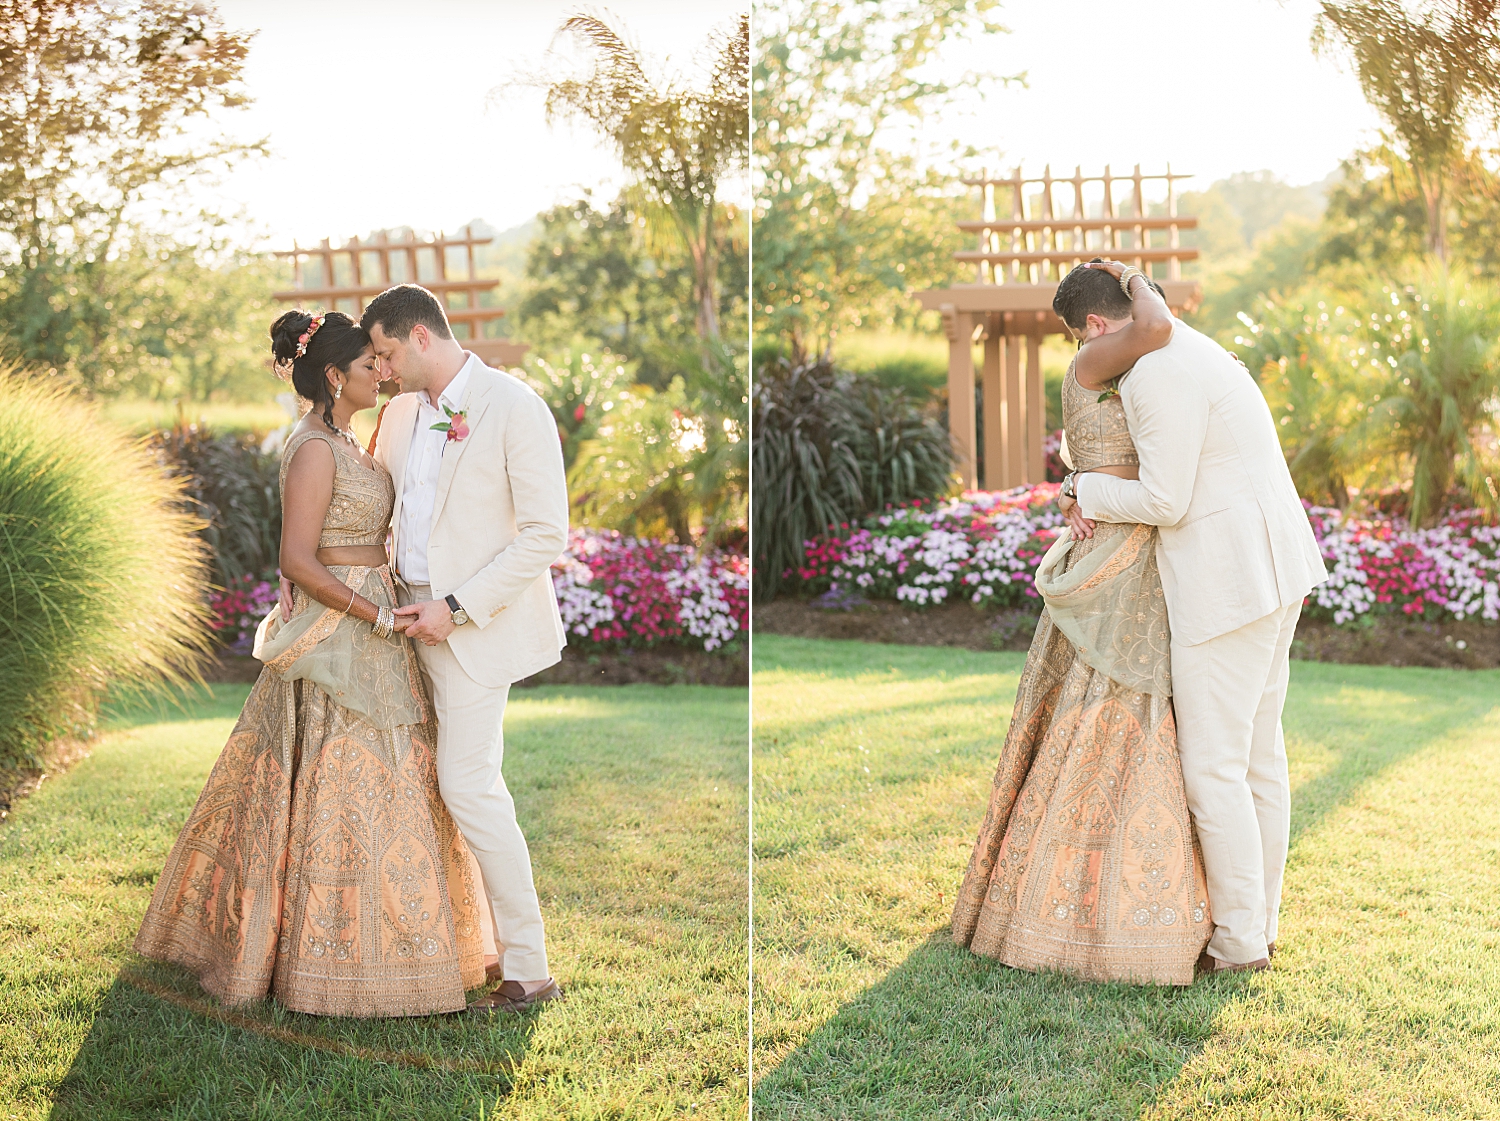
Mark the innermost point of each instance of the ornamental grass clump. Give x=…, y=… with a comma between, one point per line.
x=101, y=572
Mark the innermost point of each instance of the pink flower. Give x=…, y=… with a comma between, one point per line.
x=457, y=429
x=578, y=413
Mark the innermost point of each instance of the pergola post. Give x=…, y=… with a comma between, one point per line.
x=994, y=401
x=961, y=393
x=1036, y=412
x=1013, y=406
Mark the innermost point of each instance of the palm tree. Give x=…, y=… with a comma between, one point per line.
x=679, y=143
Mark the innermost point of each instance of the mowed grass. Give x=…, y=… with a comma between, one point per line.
x=873, y=766
x=633, y=800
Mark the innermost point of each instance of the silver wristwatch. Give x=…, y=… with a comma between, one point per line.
x=460, y=616
x=1069, y=486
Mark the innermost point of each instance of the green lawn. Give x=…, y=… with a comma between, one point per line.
x=633, y=799
x=872, y=768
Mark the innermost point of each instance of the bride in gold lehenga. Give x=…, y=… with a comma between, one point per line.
x=319, y=864
x=1087, y=861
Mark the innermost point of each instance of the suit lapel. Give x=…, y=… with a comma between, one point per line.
x=402, y=429
x=473, y=406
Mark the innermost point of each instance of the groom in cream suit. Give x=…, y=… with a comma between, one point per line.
x=1237, y=556
x=481, y=513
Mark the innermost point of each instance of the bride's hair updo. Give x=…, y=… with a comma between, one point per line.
x=337, y=342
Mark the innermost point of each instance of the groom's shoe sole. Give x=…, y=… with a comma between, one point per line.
x=1208, y=964
x=511, y=997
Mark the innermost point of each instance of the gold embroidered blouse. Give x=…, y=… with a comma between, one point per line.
x=360, y=511
x=1097, y=436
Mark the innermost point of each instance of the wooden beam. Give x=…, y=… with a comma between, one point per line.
x=1015, y=404
x=961, y=394
x=1036, y=412
x=1124, y=253
x=1035, y=225
x=994, y=398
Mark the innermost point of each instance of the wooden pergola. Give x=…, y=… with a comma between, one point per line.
x=350, y=275
x=1027, y=243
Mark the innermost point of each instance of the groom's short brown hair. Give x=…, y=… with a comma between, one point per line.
x=1085, y=292
x=401, y=308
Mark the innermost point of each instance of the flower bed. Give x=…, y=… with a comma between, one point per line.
x=984, y=547
x=618, y=590
x=612, y=591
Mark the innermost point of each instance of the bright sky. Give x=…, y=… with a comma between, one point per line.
x=379, y=111
x=1214, y=86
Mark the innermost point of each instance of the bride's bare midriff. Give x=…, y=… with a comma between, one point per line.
x=372, y=556
x=1118, y=470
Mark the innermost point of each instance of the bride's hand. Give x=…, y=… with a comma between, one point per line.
x=1115, y=269
x=402, y=622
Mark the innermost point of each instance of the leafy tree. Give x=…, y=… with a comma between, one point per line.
x=680, y=144
x=1432, y=71
x=95, y=97
x=849, y=213
x=592, y=281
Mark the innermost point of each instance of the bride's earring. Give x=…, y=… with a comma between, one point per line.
x=339, y=392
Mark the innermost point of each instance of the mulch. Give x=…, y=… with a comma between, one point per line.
x=1380, y=641
x=662, y=665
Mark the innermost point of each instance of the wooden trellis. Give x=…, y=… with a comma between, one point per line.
x=1026, y=244
x=346, y=277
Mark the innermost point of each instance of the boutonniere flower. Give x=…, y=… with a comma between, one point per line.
x=457, y=424
x=1110, y=390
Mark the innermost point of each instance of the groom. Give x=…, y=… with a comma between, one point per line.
x=1237, y=556
x=481, y=513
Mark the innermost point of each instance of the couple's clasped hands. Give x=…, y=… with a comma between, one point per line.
x=429, y=622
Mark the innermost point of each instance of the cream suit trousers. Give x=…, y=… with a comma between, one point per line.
x=469, y=751
x=1228, y=693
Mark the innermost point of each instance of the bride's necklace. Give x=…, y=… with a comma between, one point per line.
x=348, y=434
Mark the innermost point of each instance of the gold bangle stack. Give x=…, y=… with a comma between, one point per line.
x=1130, y=273
x=385, y=622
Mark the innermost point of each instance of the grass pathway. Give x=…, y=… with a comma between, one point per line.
x=872, y=766
x=633, y=799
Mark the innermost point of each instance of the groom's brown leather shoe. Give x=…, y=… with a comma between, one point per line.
x=1207, y=963
x=511, y=996
x=493, y=973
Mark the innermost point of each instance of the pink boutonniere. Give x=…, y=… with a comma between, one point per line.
x=457, y=424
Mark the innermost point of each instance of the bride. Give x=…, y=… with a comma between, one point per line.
x=319, y=864
x=1087, y=861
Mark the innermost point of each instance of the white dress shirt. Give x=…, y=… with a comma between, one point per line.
x=419, y=489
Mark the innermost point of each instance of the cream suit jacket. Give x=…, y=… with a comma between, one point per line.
x=1235, y=541
x=499, y=521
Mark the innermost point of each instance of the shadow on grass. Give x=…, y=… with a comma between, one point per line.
x=159, y=1047
x=948, y=1035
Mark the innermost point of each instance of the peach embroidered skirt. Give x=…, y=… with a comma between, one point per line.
x=1087, y=861
x=319, y=864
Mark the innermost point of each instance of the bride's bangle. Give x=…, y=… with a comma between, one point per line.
x=385, y=622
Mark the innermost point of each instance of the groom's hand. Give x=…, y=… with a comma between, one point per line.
x=431, y=621
x=1081, y=526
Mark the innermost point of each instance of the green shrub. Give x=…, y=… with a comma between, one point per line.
x=101, y=572
x=235, y=490
x=832, y=447
x=1379, y=384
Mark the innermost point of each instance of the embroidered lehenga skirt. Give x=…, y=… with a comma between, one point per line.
x=1087, y=861
x=320, y=864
